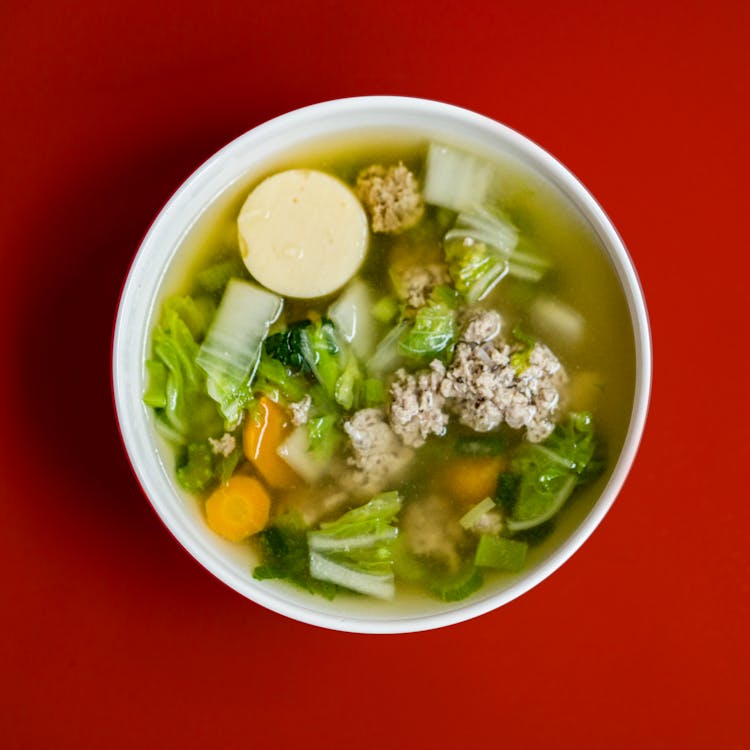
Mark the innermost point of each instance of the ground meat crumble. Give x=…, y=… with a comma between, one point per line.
x=377, y=455
x=391, y=196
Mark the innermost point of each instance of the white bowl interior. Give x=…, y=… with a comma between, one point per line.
x=249, y=155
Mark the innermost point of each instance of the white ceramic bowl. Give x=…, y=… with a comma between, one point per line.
x=250, y=154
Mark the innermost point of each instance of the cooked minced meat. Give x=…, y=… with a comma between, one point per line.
x=377, y=455
x=481, y=326
x=391, y=196
x=224, y=446
x=485, y=390
x=415, y=284
x=301, y=411
x=417, y=405
x=431, y=529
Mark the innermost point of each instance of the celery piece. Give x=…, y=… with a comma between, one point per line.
x=458, y=587
x=500, y=553
x=373, y=392
x=156, y=388
x=385, y=309
x=476, y=512
x=196, y=472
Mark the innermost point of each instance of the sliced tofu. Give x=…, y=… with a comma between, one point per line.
x=302, y=233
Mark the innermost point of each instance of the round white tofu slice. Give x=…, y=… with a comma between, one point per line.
x=302, y=233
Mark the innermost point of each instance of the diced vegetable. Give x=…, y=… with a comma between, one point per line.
x=264, y=431
x=352, y=314
x=385, y=309
x=215, y=278
x=197, y=471
x=295, y=452
x=470, y=479
x=373, y=392
x=476, y=512
x=278, y=382
x=500, y=553
x=238, y=509
x=457, y=587
x=324, y=436
x=557, y=320
x=231, y=350
x=156, y=384
x=455, y=179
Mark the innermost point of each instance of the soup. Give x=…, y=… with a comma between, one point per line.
x=392, y=367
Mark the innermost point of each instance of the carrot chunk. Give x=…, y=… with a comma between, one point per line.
x=262, y=435
x=470, y=479
x=239, y=508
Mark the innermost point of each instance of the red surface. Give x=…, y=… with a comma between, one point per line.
x=111, y=636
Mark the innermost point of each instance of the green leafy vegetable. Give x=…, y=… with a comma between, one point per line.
x=482, y=248
x=474, y=267
x=197, y=472
x=521, y=357
x=286, y=346
x=285, y=555
x=176, y=385
x=543, y=476
x=355, y=551
x=156, y=384
x=230, y=353
x=201, y=467
x=279, y=382
x=433, y=332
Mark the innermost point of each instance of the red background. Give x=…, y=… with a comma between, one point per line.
x=112, y=636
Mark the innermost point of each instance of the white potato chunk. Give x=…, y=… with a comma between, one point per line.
x=302, y=233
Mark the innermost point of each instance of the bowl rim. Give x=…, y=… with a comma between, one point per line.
x=208, y=178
